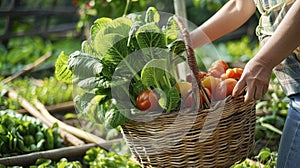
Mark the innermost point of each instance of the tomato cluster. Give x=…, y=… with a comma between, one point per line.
x=218, y=83
x=220, y=79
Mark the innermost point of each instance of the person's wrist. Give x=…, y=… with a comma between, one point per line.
x=265, y=63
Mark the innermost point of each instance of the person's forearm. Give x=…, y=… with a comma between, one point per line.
x=285, y=39
x=231, y=16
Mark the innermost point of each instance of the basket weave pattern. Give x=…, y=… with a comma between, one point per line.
x=230, y=141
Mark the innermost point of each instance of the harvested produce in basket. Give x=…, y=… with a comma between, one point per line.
x=126, y=57
x=147, y=100
x=235, y=73
x=217, y=68
x=220, y=79
x=185, y=89
x=224, y=88
x=210, y=82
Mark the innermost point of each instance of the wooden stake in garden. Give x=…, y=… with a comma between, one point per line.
x=33, y=111
x=28, y=68
x=73, y=130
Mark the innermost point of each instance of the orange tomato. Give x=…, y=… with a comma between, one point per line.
x=235, y=73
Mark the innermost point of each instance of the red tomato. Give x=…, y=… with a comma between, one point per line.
x=224, y=89
x=217, y=68
x=147, y=100
x=217, y=73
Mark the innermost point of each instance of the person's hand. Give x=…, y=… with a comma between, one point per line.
x=255, y=78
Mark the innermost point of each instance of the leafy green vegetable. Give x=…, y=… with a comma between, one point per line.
x=152, y=15
x=63, y=162
x=125, y=56
x=21, y=134
x=49, y=91
x=170, y=100
x=99, y=24
x=97, y=157
x=64, y=74
x=154, y=74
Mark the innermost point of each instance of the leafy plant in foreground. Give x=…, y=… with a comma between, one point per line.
x=124, y=56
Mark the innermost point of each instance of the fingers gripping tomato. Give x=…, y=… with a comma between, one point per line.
x=147, y=100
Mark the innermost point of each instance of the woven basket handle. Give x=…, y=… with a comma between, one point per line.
x=192, y=62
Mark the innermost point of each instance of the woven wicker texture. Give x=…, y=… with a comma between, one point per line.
x=216, y=137
x=211, y=136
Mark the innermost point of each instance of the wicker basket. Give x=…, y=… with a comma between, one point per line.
x=218, y=136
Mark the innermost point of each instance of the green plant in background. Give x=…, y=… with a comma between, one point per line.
x=97, y=157
x=5, y=101
x=209, y=4
x=63, y=162
x=23, y=51
x=20, y=52
x=274, y=108
x=94, y=158
x=48, y=91
x=90, y=10
x=266, y=159
x=242, y=49
x=20, y=134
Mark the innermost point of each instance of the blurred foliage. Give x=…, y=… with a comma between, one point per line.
x=266, y=159
x=212, y=5
x=97, y=157
x=32, y=22
x=20, y=52
x=63, y=162
x=89, y=10
x=242, y=48
x=234, y=51
x=48, y=91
